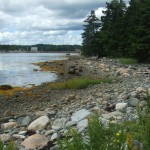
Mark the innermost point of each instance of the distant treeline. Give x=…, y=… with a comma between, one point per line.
x=41, y=47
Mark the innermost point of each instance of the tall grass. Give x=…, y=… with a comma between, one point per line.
x=10, y=146
x=77, y=83
x=97, y=138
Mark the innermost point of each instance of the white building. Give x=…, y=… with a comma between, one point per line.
x=34, y=49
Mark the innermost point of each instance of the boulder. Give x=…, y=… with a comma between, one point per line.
x=35, y=141
x=39, y=123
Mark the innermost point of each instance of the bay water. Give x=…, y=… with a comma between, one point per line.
x=16, y=69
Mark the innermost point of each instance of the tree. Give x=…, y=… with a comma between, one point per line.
x=113, y=27
x=143, y=31
x=91, y=27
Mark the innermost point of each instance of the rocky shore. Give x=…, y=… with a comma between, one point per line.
x=36, y=117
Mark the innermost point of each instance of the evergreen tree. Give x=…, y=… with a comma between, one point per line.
x=143, y=31
x=113, y=27
x=91, y=27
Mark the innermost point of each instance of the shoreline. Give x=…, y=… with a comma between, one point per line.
x=113, y=102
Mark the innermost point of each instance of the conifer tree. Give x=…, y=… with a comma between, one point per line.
x=91, y=28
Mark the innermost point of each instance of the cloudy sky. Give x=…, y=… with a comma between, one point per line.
x=45, y=21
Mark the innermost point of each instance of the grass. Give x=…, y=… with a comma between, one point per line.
x=10, y=146
x=116, y=137
x=127, y=61
x=77, y=83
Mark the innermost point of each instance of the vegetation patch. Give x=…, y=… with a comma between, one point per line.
x=53, y=66
x=127, y=61
x=77, y=83
x=11, y=91
x=10, y=146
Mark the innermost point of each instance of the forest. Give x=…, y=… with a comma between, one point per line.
x=122, y=31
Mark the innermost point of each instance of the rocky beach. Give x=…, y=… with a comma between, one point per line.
x=34, y=118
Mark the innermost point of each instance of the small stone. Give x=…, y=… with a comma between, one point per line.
x=26, y=121
x=35, y=141
x=71, y=123
x=121, y=107
x=5, y=137
x=133, y=102
x=139, y=90
x=22, y=132
x=9, y=125
x=54, y=136
x=49, y=132
x=59, y=123
x=112, y=115
x=80, y=115
x=39, y=123
x=17, y=136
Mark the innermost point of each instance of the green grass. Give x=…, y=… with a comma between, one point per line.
x=116, y=137
x=10, y=146
x=77, y=83
x=127, y=61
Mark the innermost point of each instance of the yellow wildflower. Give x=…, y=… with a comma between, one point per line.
x=117, y=134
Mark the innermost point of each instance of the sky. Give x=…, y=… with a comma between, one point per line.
x=28, y=22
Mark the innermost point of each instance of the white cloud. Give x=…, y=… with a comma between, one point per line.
x=45, y=21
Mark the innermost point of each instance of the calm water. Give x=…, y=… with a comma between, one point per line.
x=16, y=68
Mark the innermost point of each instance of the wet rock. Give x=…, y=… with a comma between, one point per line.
x=35, y=141
x=39, y=123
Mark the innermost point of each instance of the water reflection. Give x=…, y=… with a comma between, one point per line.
x=17, y=70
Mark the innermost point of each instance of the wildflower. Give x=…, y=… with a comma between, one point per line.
x=129, y=140
x=117, y=134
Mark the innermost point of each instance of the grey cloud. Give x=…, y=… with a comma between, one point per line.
x=43, y=21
